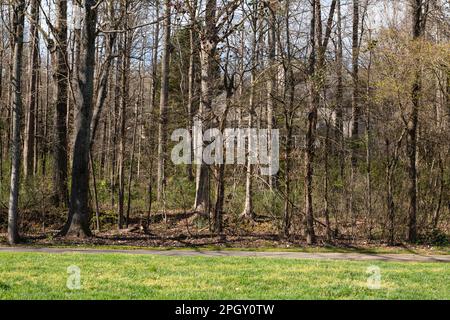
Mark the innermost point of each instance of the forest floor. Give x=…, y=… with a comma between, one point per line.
x=180, y=231
x=33, y=275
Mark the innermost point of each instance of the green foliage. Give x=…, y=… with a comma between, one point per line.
x=268, y=203
x=180, y=192
x=435, y=238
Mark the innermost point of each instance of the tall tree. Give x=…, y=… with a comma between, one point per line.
x=163, y=102
x=356, y=112
x=288, y=113
x=29, y=140
x=419, y=13
x=193, y=53
x=1, y=112
x=61, y=78
x=315, y=38
x=272, y=79
x=319, y=43
x=18, y=14
x=124, y=102
x=355, y=77
x=251, y=144
x=209, y=40
x=79, y=214
x=208, y=46
x=339, y=127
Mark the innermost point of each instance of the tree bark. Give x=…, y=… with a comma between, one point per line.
x=191, y=81
x=124, y=85
x=369, y=148
x=319, y=45
x=208, y=45
x=289, y=89
x=248, y=203
x=164, y=103
x=78, y=222
x=390, y=195
x=29, y=141
x=271, y=83
x=217, y=214
x=355, y=111
x=315, y=38
x=355, y=78
x=61, y=76
x=16, y=88
x=418, y=29
x=339, y=133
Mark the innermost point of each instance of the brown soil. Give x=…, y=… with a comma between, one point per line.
x=180, y=230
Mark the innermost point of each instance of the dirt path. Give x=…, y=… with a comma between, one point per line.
x=285, y=255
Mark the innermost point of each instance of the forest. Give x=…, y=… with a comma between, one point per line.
x=91, y=92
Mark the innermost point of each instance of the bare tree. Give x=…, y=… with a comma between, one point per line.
x=29, y=141
x=61, y=78
x=419, y=15
x=248, y=203
x=272, y=79
x=193, y=53
x=319, y=43
x=124, y=101
x=355, y=77
x=18, y=12
x=79, y=213
x=208, y=46
x=163, y=102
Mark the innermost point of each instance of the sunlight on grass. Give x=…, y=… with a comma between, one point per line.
x=121, y=276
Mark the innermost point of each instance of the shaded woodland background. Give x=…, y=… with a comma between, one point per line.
x=91, y=90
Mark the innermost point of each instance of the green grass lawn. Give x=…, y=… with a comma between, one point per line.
x=421, y=250
x=125, y=276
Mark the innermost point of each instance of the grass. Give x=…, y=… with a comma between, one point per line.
x=421, y=250
x=122, y=276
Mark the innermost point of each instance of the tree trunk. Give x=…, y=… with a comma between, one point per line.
x=355, y=77
x=94, y=183
x=315, y=37
x=326, y=199
x=217, y=215
x=390, y=195
x=418, y=27
x=191, y=80
x=125, y=85
x=163, y=103
x=339, y=133
x=317, y=78
x=208, y=44
x=251, y=143
x=355, y=111
x=271, y=85
x=29, y=141
x=436, y=213
x=369, y=149
x=79, y=213
x=133, y=151
x=61, y=76
x=45, y=121
x=2, y=138
x=154, y=61
x=16, y=88
x=114, y=158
